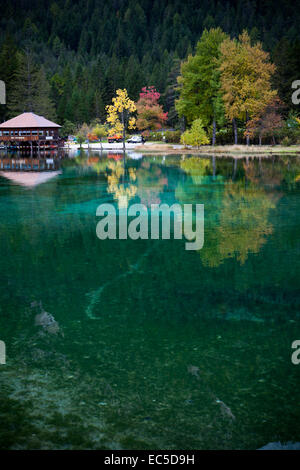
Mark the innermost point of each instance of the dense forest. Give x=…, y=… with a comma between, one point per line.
x=81, y=51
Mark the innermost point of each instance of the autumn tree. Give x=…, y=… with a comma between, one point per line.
x=246, y=74
x=83, y=133
x=267, y=123
x=120, y=114
x=150, y=113
x=99, y=132
x=199, y=82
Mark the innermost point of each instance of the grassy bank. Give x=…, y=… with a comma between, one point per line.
x=159, y=147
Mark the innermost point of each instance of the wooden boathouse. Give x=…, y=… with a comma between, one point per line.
x=28, y=131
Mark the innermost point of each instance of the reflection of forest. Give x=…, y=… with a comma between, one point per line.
x=152, y=182
x=238, y=194
x=242, y=227
x=50, y=243
x=125, y=181
x=237, y=215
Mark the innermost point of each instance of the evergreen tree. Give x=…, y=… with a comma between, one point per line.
x=172, y=93
x=287, y=60
x=199, y=82
x=143, y=34
x=8, y=68
x=42, y=103
x=24, y=87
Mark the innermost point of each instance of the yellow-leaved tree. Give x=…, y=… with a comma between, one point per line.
x=120, y=114
x=246, y=73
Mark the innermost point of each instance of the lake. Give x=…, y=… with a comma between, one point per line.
x=141, y=344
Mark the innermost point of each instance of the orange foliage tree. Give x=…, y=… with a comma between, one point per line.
x=150, y=114
x=267, y=123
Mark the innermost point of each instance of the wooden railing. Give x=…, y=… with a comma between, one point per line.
x=27, y=138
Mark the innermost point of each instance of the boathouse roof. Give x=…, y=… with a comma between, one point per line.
x=28, y=120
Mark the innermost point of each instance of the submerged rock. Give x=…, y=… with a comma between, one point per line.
x=194, y=370
x=46, y=320
x=280, y=446
x=226, y=411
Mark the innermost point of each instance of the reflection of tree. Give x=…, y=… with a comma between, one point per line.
x=98, y=165
x=237, y=212
x=116, y=185
x=243, y=225
x=284, y=169
x=197, y=167
x=291, y=167
x=261, y=174
x=151, y=183
x=202, y=172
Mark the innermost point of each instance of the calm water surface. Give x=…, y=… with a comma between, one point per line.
x=122, y=344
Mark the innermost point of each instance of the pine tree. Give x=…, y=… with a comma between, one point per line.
x=172, y=93
x=24, y=87
x=42, y=103
x=31, y=90
x=8, y=67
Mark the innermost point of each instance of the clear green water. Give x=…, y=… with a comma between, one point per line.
x=155, y=347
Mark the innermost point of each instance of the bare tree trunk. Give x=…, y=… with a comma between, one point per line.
x=214, y=132
x=235, y=131
x=259, y=137
x=29, y=84
x=124, y=140
x=124, y=133
x=247, y=137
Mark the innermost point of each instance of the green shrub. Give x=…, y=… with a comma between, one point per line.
x=155, y=136
x=286, y=141
x=196, y=135
x=173, y=137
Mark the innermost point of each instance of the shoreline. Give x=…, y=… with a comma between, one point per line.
x=178, y=149
x=221, y=150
